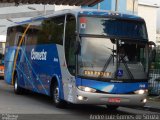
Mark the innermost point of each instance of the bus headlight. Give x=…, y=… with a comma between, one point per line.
x=86, y=89
x=141, y=92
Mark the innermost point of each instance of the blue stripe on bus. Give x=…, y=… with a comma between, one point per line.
x=36, y=75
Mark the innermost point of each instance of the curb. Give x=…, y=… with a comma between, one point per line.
x=147, y=108
x=152, y=109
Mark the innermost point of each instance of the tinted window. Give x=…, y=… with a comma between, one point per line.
x=12, y=35
x=32, y=33
x=47, y=31
x=54, y=29
x=113, y=27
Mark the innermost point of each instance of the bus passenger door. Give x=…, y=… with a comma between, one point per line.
x=69, y=75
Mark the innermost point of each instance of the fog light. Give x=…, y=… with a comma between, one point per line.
x=80, y=97
x=144, y=100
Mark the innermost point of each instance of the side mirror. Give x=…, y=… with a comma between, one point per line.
x=153, y=55
x=152, y=51
x=151, y=44
x=77, y=47
x=76, y=33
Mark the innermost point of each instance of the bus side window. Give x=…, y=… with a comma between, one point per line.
x=53, y=30
x=20, y=38
x=70, y=39
x=31, y=35
x=11, y=36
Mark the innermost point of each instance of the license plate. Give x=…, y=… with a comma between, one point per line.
x=114, y=100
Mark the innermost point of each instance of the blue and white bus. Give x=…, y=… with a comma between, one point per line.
x=80, y=56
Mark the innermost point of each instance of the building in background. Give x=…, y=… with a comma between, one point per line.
x=2, y=47
x=125, y=6
x=149, y=13
x=158, y=39
x=2, y=44
x=2, y=50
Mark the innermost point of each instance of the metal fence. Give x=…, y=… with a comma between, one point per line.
x=154, y=82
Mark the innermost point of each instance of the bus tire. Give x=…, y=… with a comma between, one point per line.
x=17, y=90
x=112, y=107
x=55, y=97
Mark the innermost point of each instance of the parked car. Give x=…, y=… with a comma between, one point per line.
x=1, y=65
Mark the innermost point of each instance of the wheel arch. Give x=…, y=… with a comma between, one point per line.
x=55, y=79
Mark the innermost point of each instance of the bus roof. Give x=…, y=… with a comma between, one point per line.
x=87, y=12
x=109, y=13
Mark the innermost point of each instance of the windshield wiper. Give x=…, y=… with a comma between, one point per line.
x=126, y=66
x=108, y=61
x=106, y=65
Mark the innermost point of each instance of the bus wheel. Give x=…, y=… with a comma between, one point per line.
x=17, y=89
x=111, y=107
x=56, y=99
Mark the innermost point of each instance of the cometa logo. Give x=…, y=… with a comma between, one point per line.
x=35, y=55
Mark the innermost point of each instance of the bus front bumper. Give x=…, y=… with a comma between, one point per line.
x=110, y=99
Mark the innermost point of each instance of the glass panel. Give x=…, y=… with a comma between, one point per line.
x=70, y=39
x=113, y=27
x=97, y=57
x=53, y=30
x=47, y=31
x=132, y=60
x=32, y=33
x=12, y=34
x=100, y=58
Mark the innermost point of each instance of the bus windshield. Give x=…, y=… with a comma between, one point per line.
x=113, y=48
x=95, y=54
x=103, y=57
x=113, y=27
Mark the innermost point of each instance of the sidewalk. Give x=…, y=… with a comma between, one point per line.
x=153, y=103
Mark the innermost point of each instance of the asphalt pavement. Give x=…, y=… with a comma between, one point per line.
x=39, y=107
